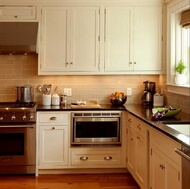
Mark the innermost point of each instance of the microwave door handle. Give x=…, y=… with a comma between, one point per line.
x=181, y=153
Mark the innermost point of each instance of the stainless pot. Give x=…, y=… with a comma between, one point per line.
x=24, y=94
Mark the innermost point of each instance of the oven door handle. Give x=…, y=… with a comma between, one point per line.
x=18, y=126
x=181, y=153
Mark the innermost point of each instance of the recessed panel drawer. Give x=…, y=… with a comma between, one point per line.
x=54, y=118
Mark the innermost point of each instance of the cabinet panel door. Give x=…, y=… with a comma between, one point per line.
x=54, y=39
x=117, y=39
x=53, y=149
x=84, y=39
x=157, y=174
x=147, y=36
x=141, y=158
x=172, y=175
x=131, y=150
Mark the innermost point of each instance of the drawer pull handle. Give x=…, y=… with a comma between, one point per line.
x=108, y=158
x=83, y=158
x=53, y=118
x=53, y=127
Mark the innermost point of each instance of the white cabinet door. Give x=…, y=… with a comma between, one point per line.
x=69, y=40
x=147, y=38
x=53, y=51
x=18, y=13
x=133, y=39
x=117, y=38
x=84, y=39
x=53, y=147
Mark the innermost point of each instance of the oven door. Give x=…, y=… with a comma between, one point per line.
x=94, y=130
x=17, y=144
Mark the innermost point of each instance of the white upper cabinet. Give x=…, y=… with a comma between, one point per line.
x=69, y=40
x=85, y=39
x=133, y=38
x=147, y=38
x=117, y=38
x=18, y=13
x=53, y=51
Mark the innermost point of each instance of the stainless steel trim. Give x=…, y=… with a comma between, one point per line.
x=182, y=153
x=18, y=126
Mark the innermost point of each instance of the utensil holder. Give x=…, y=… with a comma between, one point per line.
x=46, y=100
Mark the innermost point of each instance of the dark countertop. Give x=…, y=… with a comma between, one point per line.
x=139, y=112
x=145, y=115
x=68, y=108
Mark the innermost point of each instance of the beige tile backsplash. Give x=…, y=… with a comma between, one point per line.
x=17, y=70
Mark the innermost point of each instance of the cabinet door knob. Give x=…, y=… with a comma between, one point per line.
x=108, y=158
x=53, y=128
x=53, y=118
x=84, y=158
x=129, y=120
x=139, y=126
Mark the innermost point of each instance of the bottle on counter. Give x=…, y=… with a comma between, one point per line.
x=64, y=100
x=55, y=100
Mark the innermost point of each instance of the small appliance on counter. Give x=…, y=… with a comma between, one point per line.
x=149, y=91
x=158, y=100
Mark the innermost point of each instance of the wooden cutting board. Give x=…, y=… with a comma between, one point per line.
x=87, y=106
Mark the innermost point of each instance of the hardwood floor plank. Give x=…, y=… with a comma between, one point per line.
x=69, y=181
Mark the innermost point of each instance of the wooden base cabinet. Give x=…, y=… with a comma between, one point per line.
x=165, y=164
x=137, y=150
x=97, y=158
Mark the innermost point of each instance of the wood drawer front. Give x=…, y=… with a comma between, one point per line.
x=94, y=157
x=52, y=118
x=17, y=13
x=166, y=145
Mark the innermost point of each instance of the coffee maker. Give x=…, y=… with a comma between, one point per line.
x=149, y=91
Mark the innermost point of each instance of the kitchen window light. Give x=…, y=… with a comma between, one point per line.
x=178, y=45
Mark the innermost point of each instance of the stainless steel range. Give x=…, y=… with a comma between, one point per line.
x=17, y=138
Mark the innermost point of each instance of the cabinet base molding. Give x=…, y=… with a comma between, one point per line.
x=87, y=171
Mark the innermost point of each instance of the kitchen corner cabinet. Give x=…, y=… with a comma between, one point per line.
x=133, y=38
x=137, y=150
x=69, y=39
x=165, y=164
x=53, y=140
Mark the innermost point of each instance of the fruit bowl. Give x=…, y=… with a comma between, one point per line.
x=160, y=113
x=118, y=101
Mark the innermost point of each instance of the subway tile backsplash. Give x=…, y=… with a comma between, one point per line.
x=17, y=70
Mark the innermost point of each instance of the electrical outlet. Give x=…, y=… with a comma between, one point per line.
x=67, y=91
x=129, y=91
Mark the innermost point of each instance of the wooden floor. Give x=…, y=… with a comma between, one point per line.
x=78, y=181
